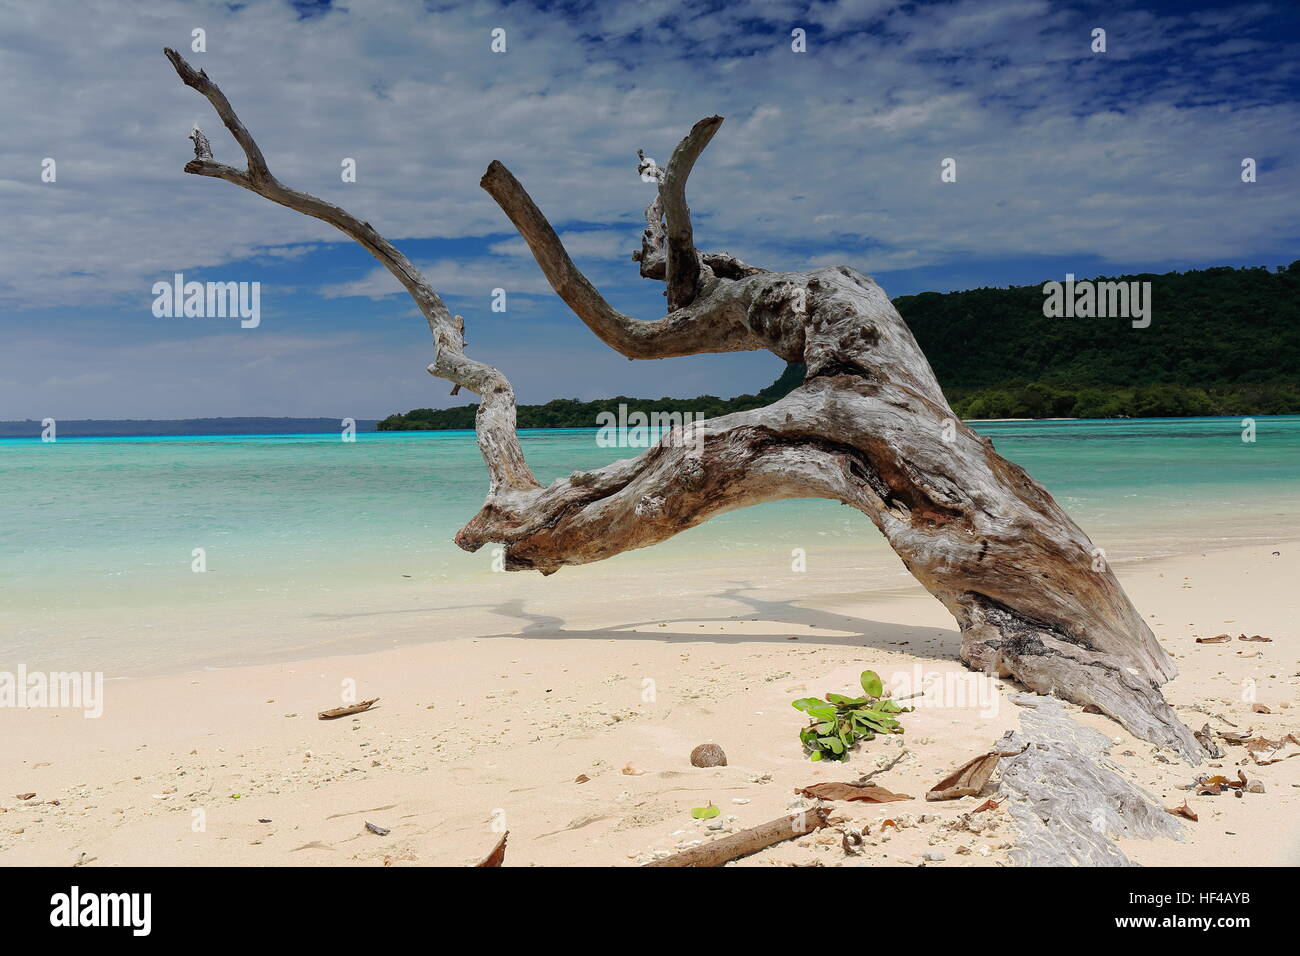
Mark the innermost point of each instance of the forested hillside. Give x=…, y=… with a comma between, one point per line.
x=1221, y=342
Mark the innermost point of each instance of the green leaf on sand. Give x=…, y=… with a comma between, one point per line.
x=838, y=723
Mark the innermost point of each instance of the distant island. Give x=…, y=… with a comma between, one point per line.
x=571, y=413
x=1222, y=341
x=145, y=427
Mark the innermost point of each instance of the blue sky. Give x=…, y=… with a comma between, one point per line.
x=1067, y=160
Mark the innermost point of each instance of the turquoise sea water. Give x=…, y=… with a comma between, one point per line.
x=109, y=525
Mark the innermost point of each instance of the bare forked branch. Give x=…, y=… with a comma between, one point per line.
x=687, y=331
x=656, y=248
x=495, y=422
x=683, y=261
x=257, y=169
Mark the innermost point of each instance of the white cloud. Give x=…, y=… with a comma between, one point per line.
x=833, y=155
x=858, y=124
x=614, y=244
x=474, y=278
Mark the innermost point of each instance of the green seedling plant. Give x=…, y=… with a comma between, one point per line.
x=838, y=722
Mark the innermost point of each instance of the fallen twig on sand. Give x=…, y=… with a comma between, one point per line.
x=889, y=765
x=498, y=854
x=338, y=712
x=748, y=841
x=1202, y=709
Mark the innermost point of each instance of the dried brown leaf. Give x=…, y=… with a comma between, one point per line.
x=967, y=780
x=1264, y=751
x=868, y=793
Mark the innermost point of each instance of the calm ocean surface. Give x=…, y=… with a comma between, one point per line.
x=107, y=526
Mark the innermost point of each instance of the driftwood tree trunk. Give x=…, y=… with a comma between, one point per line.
x=869, y=427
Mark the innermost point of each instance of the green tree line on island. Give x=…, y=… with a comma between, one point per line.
x=1221, y=341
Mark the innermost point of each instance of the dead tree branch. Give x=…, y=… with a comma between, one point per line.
x=723, y=851
x=683, y=262
x=869, y=427
x=495, y=421
x=683, y=332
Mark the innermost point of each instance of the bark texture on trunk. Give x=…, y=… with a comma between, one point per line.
x=869, y=427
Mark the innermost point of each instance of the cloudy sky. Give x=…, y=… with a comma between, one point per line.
x=1067, y=161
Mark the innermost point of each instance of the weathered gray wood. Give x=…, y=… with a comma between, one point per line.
x=869, y=427
x=1068, y=803
x=667, y=243
x=495, y=420
x=683, y=262
x=705, y=326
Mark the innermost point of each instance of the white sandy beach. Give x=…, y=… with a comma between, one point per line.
x=477, y=734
